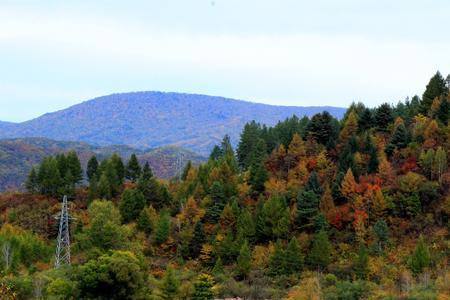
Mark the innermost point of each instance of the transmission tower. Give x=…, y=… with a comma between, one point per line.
x=63, y=246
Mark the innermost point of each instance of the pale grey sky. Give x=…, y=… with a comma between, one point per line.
x=54, y=54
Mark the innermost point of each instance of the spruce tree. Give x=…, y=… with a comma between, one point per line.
x=361, y=263
x=203, y=288
x=443, y=111
x=293, y=257
x=133, y=169
x=244, y=261
x=197, y=240
x=32, y=183
x=117, y=164
x=307, y=208
x=92, y=168
x=277, y=261
x=163, y=228
x=104, y=189
x=383, y=117
x=170, y=285
x=131, y=204
x=435, y=88
x=381, y=231
x=420, y=258
x=320, y=254
x=74, y=166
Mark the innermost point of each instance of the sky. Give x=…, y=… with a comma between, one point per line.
x=54, y=54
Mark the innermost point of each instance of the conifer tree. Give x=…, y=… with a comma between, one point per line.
x=170, y=285
x=147, y=220
x=32, y=183
x=383, y=117
x=133, y=169
x=74, y=166
x=117, y=164
x=163, y=228
x=420, y=258
x=246, y=226
x=350, y=127
x=307, y=208
x=249, y=139
x=197, y=240
x=104, y=189
x=320, y=253
x=244, y=261
x=131, y=204
x=399, y=139
x=218, y=267
x=92, y=168
x=361, y=263
x=203, y=288
x=186, y=170
x=277, y=261
x=313, y=184
x=293, y=257
x=381, y=231
x=366, y=120
x=435, y=88
x=443, y=111
x=322, y=128
x=326, y=205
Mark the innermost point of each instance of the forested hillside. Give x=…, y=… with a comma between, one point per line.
x=311, y=208
x=154, y=119
x=18, y=156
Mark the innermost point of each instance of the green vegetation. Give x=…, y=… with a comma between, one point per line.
x=318, y=208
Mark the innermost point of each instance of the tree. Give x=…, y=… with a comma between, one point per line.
x=116, y=275
x=383, y=117
x=372, y=167
x=426, y=162
x=244, y=261
x=350, y=127
x=381, y=231
x=104, y=189
x=361, y=263
x=246, y=226
x=117, y=164
x=349, y=185
x=105, y=231
x=147, y=220
x=133, y=169
x=74, y=166
x=258, y=173
x=307, y=208
x=273, y=219
x=365, y=120
x=249, y=138
x=203, y=288
x=443, y=111
x=322, y=128
x=326, y=205
x=320, y=253
x=399, y=139
x=92, y=168
x=435, y=88
x=49, y=177
x=313, y=185
x=163, y=228
x=293, y=257
x=198, y=239
x=131, y=204
x=32, y=183
x=170, y=285
x=277, y=260
x=420, y=259
x=440, y=163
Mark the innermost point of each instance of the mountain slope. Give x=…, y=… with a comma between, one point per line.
x=17, y=156
x=154, y=119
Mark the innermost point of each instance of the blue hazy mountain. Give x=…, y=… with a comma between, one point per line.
x=155, y=119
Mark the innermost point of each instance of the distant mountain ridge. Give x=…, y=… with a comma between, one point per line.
x=17, y=156
x=155, y=119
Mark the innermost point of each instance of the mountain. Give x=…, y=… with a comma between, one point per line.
x=155, y=119
x=17, y=156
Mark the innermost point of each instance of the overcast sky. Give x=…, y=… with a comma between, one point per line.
x=54, y=54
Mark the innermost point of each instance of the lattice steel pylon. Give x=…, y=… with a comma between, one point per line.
x=62, y=255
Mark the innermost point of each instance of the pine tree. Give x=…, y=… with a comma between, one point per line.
x=313, y=184
x=249, y=138
x=244, y=261
x=361, y=262
x=170, y=285
x=163, y=228
x=277, y=261
x=147, y=220
x=381, y=231
x=293, y=257
x=348, y=185
x=307, y=208
x=92, y=168
x=118, y=166
x=322, y=128
x=131, y=204
x=372, y=167
x=74, y=166
x=326, y=205
x=104, y=189
x=435, y=88
x=246, y=226
x=383, y=117
x=366, y=120
x=350, y=127
x=197, y=240
x=420, y=259
x=399, y=139
x=32, y=183
x=186, y=170
x=49, y=177
x=218, y=267
x=203, y=288
x=133, y=169
x=320, y=253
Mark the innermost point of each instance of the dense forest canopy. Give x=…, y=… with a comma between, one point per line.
x=311, y=208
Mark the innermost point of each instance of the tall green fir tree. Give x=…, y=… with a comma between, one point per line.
x=133, y=169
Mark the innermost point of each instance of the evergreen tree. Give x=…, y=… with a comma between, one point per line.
x=32, y=183
x=277, y=261
x=381, y=231
x=49, y=177
x=131, y=204
x=104, y=190
x=163, y=228
x=217, y=196
x=399, y=139
x=443, y=111
x=307, y=208
x=170, y=285
x=74, y=166
x=294, y=258
x=92, y=168
x=186, y=170
x=244, y=261
x=249, y=138
x=313, y=184
x=133, y=169
x=361, y=264
x=147, y=220
x=216, y=153
x=218, y=267
x=203, y=288
x=420, y=259
x=246, y=226
x=365, y=120
x=372, y=167
x=258, y=172
x=320, y=253
x=435, y=88
x=197, y=240
x=93, y=192
x=322, y=128
x=117, y=164
x=383, y=117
